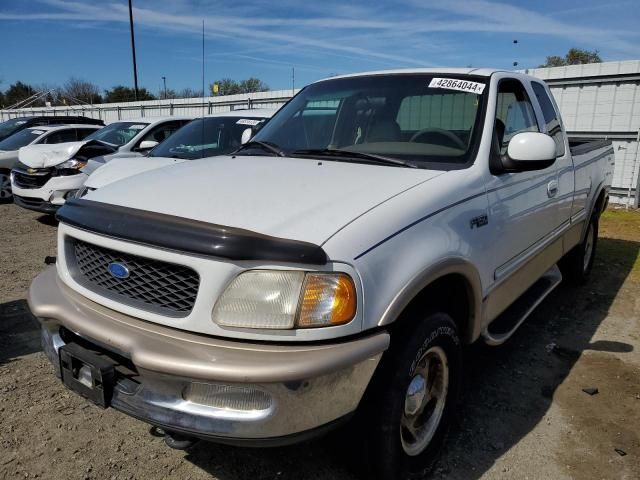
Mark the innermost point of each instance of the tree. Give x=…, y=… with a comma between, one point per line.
x=227, y=86
x=82, y=90
x=574, y=56
x=120, y=93
x=18, y=92
x=189, y=93
x=253, y=85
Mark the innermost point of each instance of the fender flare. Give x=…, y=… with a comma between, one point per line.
x=447, y=266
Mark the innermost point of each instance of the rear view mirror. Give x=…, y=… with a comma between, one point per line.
x=529, y=151
x=147, y=145
x=246, y=135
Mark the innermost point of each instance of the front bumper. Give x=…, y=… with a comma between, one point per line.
x=35, y=204
x=308, y=386
x=54, y=191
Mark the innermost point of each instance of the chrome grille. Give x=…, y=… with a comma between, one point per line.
x=152, y=285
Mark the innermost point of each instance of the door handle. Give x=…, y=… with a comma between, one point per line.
x=552, y=188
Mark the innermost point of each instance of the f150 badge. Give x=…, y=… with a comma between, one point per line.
x=479, y=221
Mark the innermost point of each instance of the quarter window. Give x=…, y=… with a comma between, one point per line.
x=554, y=129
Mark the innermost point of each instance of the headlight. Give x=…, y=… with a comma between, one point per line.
x=286, y=299
x=70, y=167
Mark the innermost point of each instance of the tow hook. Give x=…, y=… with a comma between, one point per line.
x=179, y=442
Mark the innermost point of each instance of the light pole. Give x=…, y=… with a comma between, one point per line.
x=133, y=51
x=164, y=80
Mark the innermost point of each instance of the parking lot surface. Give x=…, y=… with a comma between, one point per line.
x=524, y=414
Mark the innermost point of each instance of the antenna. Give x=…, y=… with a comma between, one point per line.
x=293, y=80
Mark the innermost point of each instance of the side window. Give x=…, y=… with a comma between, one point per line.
x=83, y=132
x=550, y=117
x=514, y=113
x=162, y=132
x=61, y=136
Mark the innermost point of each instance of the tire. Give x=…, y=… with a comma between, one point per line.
x=577, y=264
x=5, y=186
x=391, y=413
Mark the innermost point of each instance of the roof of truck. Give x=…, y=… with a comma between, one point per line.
x=481, y=72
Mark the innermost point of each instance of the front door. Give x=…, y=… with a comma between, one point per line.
x=522, y=204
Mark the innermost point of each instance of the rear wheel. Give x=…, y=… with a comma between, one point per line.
x=409, y=407
x=5, y=186
x=577, y=264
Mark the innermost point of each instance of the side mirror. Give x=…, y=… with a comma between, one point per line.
x=246, y=135
x=147, y=145
x=529, y=151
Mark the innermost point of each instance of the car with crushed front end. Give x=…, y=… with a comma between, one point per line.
x=48, y=134
x=333, y=267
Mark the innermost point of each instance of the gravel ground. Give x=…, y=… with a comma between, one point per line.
x=525, y=415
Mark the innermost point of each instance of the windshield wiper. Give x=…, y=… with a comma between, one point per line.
x=371, y=157
x=268, y=146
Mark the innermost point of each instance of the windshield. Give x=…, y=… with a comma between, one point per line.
x=20, y=139
x=206, y=137
x=10, y=126
x=118, y=133
x=426, y=120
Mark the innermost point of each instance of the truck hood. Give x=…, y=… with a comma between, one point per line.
x=44, y=156
x=120, y=168
x=298, y=199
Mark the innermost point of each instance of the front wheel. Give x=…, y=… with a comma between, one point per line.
x=5, y=186
x=412, y=399
x=577, y=264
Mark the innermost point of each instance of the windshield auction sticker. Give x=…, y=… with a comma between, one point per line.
x=457, y=84
x=247, y=121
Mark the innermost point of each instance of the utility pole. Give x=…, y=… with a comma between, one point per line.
x=164, y=80
x=515, y=63
x=293, y=80
x=133, y=51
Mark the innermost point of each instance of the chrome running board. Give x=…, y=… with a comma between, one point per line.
x=505, y=325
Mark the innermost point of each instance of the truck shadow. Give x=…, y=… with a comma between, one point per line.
x=19, y=331
x=508, y=389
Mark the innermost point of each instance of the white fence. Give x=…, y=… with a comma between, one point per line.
x=111, y=112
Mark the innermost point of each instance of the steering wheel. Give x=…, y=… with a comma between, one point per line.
x=439, y=131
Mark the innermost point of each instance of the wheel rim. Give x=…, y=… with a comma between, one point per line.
x=5, y=186
x=424, y=401
x=588, y=248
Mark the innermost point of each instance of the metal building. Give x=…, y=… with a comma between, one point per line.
x=602, y=101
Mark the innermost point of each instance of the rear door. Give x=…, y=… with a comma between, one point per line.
x=564, y=164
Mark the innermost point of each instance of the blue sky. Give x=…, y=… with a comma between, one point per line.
x=47, y=41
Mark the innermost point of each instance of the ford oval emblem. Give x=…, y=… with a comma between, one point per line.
x=118, y=270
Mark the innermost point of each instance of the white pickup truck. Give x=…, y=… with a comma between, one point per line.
x=336, y=264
